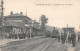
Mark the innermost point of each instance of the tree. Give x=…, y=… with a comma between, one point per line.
x=43, y=22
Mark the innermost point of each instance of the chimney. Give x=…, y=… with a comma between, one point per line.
x=11, y=12
x=21, y=13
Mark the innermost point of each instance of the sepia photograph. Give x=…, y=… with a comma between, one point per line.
x=39, y=25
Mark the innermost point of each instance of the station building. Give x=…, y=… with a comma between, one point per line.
x=17, y=23
x=36, y=28
x=68, y=29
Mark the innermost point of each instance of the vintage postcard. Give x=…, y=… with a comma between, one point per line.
x=39, y=25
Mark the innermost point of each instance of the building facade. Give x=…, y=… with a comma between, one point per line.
x=36, y=28
x=69, y=29
x=49, y=28
x=17, y=23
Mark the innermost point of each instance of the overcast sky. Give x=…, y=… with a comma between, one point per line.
x=59, y=12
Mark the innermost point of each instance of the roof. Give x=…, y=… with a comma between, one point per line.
x=70, y=29
x=67, y=28
x=17, y=15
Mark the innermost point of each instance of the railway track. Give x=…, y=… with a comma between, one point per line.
x=24, y=45
x=18, y=42
x=46, y=43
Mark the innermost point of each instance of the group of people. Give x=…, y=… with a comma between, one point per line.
x=67, y=37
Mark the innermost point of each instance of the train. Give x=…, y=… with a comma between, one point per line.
x=57, y=31
x=52, y=34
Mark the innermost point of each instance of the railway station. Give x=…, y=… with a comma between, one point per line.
x=19, y=32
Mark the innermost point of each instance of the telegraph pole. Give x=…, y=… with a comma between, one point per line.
x=26, y=11
x=2, y=17
x=67, y=25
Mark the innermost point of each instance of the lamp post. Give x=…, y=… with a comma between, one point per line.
x=2, y=15
x=31, y=25
x=30, y=30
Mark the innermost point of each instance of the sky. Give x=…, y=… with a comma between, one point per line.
x=59, y=12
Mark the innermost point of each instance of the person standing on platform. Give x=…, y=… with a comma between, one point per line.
x=78, y=36
x=63, y=38
x=69, y=37
x=73, y=38
x=58, y=36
